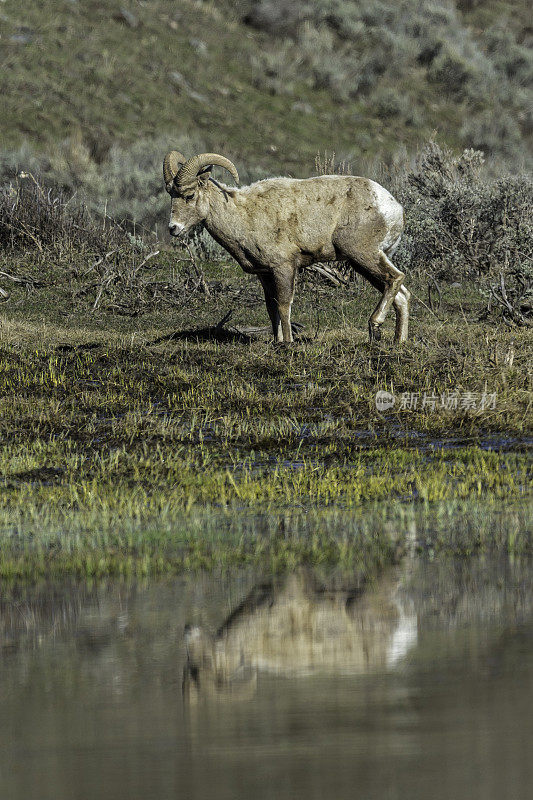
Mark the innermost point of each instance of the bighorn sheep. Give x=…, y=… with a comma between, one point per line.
x=295, y=626
x=277, y=225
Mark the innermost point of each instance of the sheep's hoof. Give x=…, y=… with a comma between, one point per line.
x=374, y=332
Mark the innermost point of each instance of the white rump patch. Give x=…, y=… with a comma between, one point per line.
x=392, y=213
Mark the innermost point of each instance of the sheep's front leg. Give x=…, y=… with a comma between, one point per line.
x=284, y=282
x=269, y=288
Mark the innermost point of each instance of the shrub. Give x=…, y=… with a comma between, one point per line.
x=462, y=225
x=451, y=70
x=492, y=133
x=389, y=103
x=127, y=185
x=508, y=57
x=275, y=71
x=276, y=16
x=35, y=217
x=60, y=242
x=351, y=48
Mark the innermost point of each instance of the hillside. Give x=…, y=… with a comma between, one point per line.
x=93, y=91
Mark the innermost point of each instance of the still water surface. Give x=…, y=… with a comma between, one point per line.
x=419, y=685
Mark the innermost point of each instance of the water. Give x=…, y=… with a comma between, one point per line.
x=312, y=686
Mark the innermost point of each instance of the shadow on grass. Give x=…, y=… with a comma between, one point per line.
x=221, y=334
x=77, y=348
x=212, y=333
x=45, y=476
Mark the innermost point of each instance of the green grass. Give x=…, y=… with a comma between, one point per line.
x=133, y=445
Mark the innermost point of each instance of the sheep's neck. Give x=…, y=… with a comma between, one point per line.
x=226, y=225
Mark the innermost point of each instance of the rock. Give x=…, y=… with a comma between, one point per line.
x=199, y=46
x=303, y=108
x=126, y=17
x=21, y=38
x=176, y=21
x=276, y=18
x=23, y=35
x=182, y=85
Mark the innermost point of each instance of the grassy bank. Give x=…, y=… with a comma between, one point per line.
x=159, y=443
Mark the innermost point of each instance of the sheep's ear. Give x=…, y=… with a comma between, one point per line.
x=203, y=176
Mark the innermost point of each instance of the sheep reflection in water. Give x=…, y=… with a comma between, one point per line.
x=292, y=626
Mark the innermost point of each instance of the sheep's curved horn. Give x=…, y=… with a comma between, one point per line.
x=171, y=165
x=187, y=175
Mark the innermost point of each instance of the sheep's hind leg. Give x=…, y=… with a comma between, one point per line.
x=269, y=288
x=401, y=307
x=383, y=275
x=392, y=278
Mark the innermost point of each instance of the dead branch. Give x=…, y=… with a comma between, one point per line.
x=510, y=312
x=25, y=280
x=225, y=318
x=202, y=283
x=434, y=303
x=100, y=260
x=105, y=283
x=330, y=273
x=144, y=261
